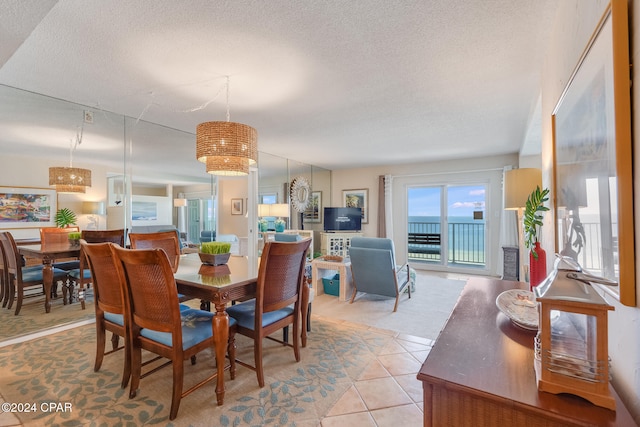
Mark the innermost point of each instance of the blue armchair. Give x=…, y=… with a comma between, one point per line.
x=374, y=270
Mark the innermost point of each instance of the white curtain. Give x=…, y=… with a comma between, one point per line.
x=388, y=205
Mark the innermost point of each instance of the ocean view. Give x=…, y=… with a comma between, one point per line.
x=466, y=237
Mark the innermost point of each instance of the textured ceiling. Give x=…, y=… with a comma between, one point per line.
x=334, y=83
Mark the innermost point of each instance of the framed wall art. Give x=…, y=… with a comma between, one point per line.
x=313, y=213
x=236, y=206
x=593, y=159
x=357, y=199
x=25, y=207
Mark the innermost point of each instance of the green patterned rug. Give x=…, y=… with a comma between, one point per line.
x=59, y=368
x=33, y=318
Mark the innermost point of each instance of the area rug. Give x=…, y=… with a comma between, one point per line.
x=422, y=315
x=59, y=368
x=33, y=318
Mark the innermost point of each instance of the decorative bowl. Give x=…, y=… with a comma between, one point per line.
x=214, y=259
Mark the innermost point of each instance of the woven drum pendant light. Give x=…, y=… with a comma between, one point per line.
x=70, y=179
x=227, y=148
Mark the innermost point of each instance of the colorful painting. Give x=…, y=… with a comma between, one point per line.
x=27, y=207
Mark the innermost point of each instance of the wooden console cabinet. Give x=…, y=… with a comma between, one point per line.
x=480, y=372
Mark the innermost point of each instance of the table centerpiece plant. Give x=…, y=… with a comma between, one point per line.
x=215, y=253
x=74, y=238
x=64, y=218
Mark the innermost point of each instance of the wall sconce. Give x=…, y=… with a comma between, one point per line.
x=93, y=209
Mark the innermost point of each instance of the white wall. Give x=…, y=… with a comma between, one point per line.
x=487, y=169
x=575, y=22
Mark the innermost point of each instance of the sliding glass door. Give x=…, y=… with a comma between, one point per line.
x=446, y=225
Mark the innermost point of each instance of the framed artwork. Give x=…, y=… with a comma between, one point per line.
x=144, y=211
x=313, y=213
x=23, y=207
x=357, y=199
x=237, y=206
x=592, y=159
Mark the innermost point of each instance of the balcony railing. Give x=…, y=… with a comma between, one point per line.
x=466, y=243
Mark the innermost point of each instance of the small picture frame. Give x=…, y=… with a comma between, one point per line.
x=237, y=206
x=313, y=213
x=357, y=199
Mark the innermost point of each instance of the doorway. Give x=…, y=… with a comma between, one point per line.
x=446, y=225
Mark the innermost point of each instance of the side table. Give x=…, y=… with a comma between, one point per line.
x=319, y=267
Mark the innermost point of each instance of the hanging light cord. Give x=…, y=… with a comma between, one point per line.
x=228, y=113
x=73, y=144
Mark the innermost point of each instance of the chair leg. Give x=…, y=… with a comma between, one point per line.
x=285, y=334
x=100, y=344
x=309, y=318
x=193, y=359
x=395, y=307
x=178, y=377
x=19, y=301
x=136, y=368
x=257, y=354
x=126, y=372
x=115, y=341
x=296, y=341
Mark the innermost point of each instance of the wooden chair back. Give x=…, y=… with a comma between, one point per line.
x=168, y=241
x=101, y=236
x=280, y=276
x=53, y=235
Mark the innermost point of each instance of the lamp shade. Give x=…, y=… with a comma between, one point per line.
x=280, y=210
x=93, y=208
x=518, y=185
x=69, y=179
x=227, y=148
x=179, y=203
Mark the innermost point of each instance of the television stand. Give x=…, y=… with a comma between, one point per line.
x=337, y=243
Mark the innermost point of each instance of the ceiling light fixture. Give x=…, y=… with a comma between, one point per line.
x=227, y=148
x=70, y=179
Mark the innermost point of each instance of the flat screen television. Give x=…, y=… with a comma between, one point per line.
x=342, y=219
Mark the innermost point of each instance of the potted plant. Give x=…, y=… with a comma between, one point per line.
x=74, y=238
x=280, y=224
x=215, y=253
x=65, y=218
x=532, y=224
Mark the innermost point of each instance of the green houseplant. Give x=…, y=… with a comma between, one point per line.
x=215, y=253
x=65, y=217
x=532, y=224
x=74, y=238
x=533, y=217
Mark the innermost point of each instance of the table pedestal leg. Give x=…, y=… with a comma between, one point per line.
x=47, y=281
x=221, y=337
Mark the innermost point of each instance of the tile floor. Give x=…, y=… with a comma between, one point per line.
x=387, y=394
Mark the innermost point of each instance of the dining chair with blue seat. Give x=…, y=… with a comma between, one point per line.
x=55, y=235
x=108, y=302
x=156, y=323
x=21, y=278
x=278, y=299
x=81, y=276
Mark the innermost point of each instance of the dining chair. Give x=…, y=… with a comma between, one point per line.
x=21, y=278
x=156, y=323
x=55, y=235
x=81, y=276
x=4, y=279
x=278, y=299
x=168, y=241
x=108, y=302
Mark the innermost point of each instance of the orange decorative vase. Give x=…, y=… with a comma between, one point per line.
x=537, y=266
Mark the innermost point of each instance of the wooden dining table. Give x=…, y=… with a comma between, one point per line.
x=48, y=254
x=221, y=285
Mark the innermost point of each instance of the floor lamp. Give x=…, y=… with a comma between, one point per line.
x=518, y=185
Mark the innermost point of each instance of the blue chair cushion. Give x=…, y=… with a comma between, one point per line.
x=282, y=237
x=245, y=314
x=67, y=265
x=75, y=273
x=114, y=318
x=184, y=307
x=35, y=274
x=196, y=327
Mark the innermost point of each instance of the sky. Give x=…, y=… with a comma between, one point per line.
x=461, y=200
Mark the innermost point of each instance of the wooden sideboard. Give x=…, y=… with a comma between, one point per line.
x=480, y=372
